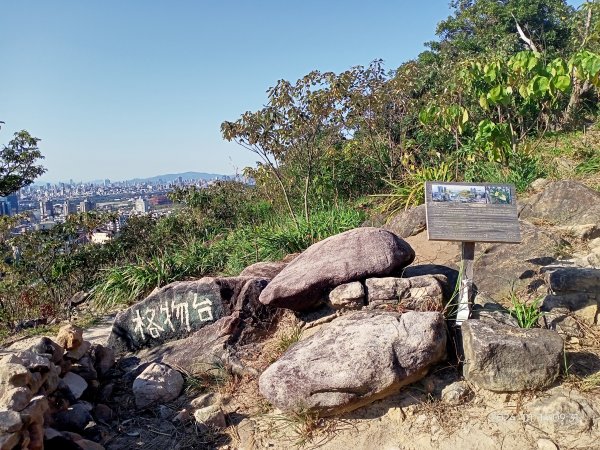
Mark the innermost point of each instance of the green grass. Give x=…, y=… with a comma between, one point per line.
x=527, y=314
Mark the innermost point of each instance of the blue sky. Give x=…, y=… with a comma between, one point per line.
x=122, y=89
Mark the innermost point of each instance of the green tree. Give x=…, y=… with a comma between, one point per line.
x=18, y=163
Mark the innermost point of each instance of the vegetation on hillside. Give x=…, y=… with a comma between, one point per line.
x=506, y=89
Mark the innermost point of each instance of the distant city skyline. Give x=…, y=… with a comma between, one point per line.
x=130, y=89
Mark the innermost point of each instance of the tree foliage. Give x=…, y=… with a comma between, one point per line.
x=18, y=163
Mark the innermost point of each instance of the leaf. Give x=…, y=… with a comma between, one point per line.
x=483, y=102
x=465, y=116
x=495, y=94
x=562, y=83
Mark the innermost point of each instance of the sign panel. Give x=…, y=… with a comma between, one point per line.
x=471, y=212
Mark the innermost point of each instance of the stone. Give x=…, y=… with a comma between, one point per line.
x=574, y=279
x=539, y=184
x=104, y=359
x=546, y=444
x=204, y=400
x=47, y=347
x=584, y=232
x=582, y=305
x=563, y=203
x=264, y=269
x=74, y=418
x=76, y=384
x=559, y=412
x=450, y=274
x=350, y=256
x=77, y=353
x=34, y=361
x=157, y=384
x=502, y=268
x=86, y=444
x=35, y=411
x=103, y=413
x=52, y=380
x=456, y=393
x=422, y=293
x=211, y=416
x=356, y=359
x=348, y=296
x=85, y=369
x=37, y=380
x=562, y=321
x=9, y=441
x=408, y=222
x=182, y=308
x=503, y=358
x=16, y=398
x=14, y=375
x=70, y=337
x=490, y=310
x=10, y=421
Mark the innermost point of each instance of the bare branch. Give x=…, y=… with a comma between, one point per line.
x=524, y=37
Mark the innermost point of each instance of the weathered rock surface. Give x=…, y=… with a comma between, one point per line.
x=211, y=416
x=181, y=308
x=355, y=360
x=408, y=222
x=567, y=279
x=350, y=256
x=70, y=337
x=76, y=384
x=561, y=412
x=449, y=273
x=503, y=358
x=423, y=293
x=456, y=393
x=564, y=203
x=157, y=384
x=265, y=269
x=348, y=296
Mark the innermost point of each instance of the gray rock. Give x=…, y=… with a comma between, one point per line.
x=180, y=309
x=265, y=269
x=456, y=393
x=10, y=421
x=157, y=384
x=86, y=444
x=582, y=305
x=85, y=369
x=560, y=412
x=74, y=418
x=562, y=321
x=584, y=232
x=34, y=361
x=450, y=274
x=564, y=203
x=9, y=441
x=204, y=400
x=503, y=358
x=574, y=279
x=104, y=359
x=16, y=398
x=423, y=293
x=47, y=347
x=78, y=353
x=408, y=222
x=75, y=383
x=348, y=296
x=355, y=360
x=14, y=375
x=211, y=416
x=103, y=413
x=35, y=410
x=350, y=256
x=493, y=311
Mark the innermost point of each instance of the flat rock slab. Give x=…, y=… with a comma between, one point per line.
x=355, y=360
x=421, y=293
x=182, y=308
x=503, y=358
x=574, y=279
x=564, y=203
x=350, y=256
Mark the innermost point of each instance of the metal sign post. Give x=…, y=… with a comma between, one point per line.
x=466, y=282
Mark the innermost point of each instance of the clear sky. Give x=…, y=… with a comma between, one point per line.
x=134, y=88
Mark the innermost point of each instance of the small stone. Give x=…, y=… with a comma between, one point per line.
x=77, y=353
x=104, y=358
x=9, y=441
x=34, y=362
x=70, y=337
x=76, y=384
x=211, y=416
x=75, y=418
x=157, y=384
x=85, y=368
x=182, y=416
x=208, y=399
x=51, y=433
x=560, y=413
x=348, y=296
x=10, y=421
x=456, y=393
x=16, y=399
x=35, y=410
x=103, y=413
x=14, y=375
x=37, y=380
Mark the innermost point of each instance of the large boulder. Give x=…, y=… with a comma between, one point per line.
x=408, y=222
x=350, y=256
x=503, y=358
x=264, y=269
x=180, y=309
x=355, y=360
x=563, y=203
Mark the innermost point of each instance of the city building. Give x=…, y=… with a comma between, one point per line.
x=142, y=206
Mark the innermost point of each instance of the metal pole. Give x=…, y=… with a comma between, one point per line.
x=466, y=282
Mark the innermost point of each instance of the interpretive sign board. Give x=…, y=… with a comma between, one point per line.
x=471, y=212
